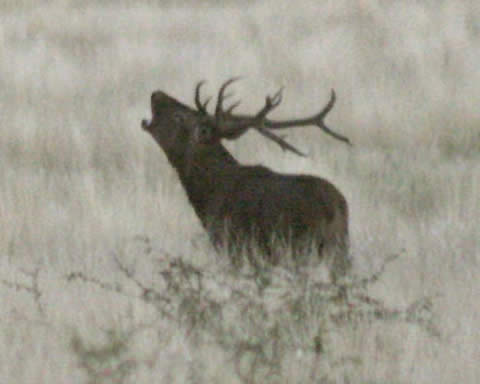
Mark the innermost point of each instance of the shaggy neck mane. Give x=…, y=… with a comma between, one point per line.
x=201, y=174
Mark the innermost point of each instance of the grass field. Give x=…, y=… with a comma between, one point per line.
x=91, y=213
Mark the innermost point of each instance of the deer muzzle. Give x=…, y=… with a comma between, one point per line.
x=146, y=124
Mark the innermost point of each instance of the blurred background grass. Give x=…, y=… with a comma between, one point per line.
x=78, y=176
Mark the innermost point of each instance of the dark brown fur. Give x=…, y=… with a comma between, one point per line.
x=242, y=205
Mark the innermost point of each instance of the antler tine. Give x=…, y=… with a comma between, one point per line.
x=280, y=141
x=321, y=124
x=333, y=97
x=206, y=103
x=232, y=107
x=202, y=107
x=221, y=95
x=270, y=104
x=277, y=98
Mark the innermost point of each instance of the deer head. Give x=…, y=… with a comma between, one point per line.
x=182, y=131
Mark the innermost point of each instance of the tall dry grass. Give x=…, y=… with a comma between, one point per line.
x=82, y=186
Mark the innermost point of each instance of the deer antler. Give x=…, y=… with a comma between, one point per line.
x=202, y=107
x=232, y=126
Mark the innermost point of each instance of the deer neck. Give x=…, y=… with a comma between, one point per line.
x=202, y=174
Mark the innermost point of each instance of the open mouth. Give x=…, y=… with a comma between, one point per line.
x=146, y=124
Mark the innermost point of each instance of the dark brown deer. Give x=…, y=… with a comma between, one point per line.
x=250, y=207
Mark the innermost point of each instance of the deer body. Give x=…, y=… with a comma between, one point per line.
x=243, y=205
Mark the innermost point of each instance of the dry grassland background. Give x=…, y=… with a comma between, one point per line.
x=82, y=187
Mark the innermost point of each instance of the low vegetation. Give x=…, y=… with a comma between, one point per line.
x=106, y=274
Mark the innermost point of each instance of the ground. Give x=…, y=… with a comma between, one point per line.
x=106, y=274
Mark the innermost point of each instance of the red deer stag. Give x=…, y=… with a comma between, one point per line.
x=241, y=205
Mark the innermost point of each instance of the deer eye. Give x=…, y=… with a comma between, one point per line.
x=205, y=133
x=178, y=118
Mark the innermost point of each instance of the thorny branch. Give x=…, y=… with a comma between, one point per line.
x=33, y=289
x=260, y=344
